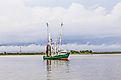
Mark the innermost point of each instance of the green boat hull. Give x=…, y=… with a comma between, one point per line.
x=57, y=57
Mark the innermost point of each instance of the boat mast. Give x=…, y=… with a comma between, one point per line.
x=61, y=35
x=47, y=33
x=49, y=46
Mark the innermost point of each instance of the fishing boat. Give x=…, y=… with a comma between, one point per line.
x=54, y=49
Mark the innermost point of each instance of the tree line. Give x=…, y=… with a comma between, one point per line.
x=81, y=52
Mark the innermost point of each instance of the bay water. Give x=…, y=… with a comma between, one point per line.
x=78, y=67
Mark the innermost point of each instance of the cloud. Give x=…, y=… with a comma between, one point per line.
x=98, y=48
x=22, y=23
x=74, y=46
x=29, y=48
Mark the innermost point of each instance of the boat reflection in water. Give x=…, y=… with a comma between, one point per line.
x=57, y=69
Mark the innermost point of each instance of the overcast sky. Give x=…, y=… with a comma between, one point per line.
x=23, y=21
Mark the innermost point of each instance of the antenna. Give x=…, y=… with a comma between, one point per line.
x=20, y=49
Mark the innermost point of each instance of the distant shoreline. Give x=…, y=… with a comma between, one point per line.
x=36, y=53
x=42, y=53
